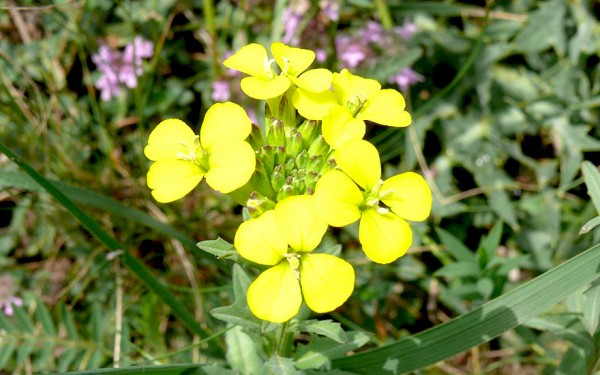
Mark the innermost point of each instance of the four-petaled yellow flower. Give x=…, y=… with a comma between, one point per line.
x=265, y=83
x=383, y=231
x=284, y=239
x=182, y=159
x=352, y=101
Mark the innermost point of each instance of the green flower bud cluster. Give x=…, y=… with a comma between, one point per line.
x=290, y=158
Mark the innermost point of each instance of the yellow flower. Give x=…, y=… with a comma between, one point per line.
x=284, y=239
x=352, y=101
x=264, y=82
x=182, y=159
x=383, y=231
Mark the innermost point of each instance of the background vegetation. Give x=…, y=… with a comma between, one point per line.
x=505, y=115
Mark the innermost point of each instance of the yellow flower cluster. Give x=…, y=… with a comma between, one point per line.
x=308, y=169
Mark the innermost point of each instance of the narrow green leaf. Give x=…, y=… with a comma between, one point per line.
x=591, y=224
x=455, y=247
x=43, y=316
x=237, y=315
x=490, y=243
x=591, y=308
x=220, y=248
x=181, y=369
x=6, y=353
x=113, y=245
x=459, y=269
x=241, y=351
x=483, y=323
x=327, y=328
x=67, y=319
x=591, y=176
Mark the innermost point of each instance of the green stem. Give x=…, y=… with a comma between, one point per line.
x=282, y=338
x=384, y=14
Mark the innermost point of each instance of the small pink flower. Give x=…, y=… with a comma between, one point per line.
x=406, y=78
x=221, y=91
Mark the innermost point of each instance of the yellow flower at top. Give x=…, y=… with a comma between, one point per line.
x=357, y=192
x=265, y=83
x=182, y=159
x=351, y=101
x=284, y=239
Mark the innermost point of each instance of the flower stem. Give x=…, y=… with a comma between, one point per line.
x=282, y=340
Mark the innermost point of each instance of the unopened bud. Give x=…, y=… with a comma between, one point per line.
x=310, y=131
x=319, y=147
x=276, y=134
x=294, y=144
x=258, y=204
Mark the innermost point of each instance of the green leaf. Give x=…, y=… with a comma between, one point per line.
x=485, y=286
x=489, y=244
x=237, y=315
x=482, y=324
x=327, y=328
x=544, y=28
x=455, y=246
x=281, y=366
x=181, y=369
x=43, y=316
x=591, y=176
x=321, y=350
x=221, y=249
x=242, y=352
x=591, y=224
x=459, y=269
x=591, y=308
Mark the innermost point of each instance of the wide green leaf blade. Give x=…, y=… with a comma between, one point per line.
x=482, y=324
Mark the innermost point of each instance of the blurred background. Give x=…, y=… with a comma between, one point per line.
x=504, y=98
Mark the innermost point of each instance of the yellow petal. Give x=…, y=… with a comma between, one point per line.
x=326, y=281
x=314, y=80
x=298, y=221
x=275, y=295
x=347, y=87
x=295, y=60
x=169, y=139
x=386, y=108
x=259, y=240
x=250, y=59
x=339, y=127
x=224, y=123
x=338, y=199
x=172, y=179
x=360, y=160
x=384, y=237
x=408, y=195
x=314, y=106
x=230, y=166
x=264, y=88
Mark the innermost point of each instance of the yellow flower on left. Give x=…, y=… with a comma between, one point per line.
x=220, y=154
x=284, y=239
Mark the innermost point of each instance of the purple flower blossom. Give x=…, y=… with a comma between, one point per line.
x=291, y=22
x=221, y=91
x=120, y=68
x=350, y=52
x=320, y=55
x=7, y=306
x=372, y=32
x=406, y=31
x=331, y=9
x=7, y=300
x=406, y=78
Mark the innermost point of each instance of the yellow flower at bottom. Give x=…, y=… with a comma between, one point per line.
x=381, y=206
x=284, y=239
x=182, y=159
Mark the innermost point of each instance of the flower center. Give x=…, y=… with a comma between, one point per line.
x=294, y=262
x=194, y=153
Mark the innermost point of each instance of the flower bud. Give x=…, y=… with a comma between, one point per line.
x=266, y=155
x=310, y=131
x=258, y=204
x=294, y=144
x=319, y=147
x=256, y=138
x=276, y=134
x=278, y=178
x=315, y=163
x=302, y=159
